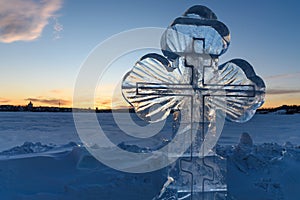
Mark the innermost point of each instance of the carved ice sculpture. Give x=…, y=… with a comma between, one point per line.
x=188, y=82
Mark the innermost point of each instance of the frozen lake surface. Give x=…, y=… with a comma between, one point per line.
x=40, y=159
x=58, y=128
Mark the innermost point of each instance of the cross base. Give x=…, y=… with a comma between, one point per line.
x=199, y=178
x=219, y=195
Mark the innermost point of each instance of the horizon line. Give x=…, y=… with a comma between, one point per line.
x=121, y=108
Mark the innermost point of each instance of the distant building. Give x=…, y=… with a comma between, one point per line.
x=30, y=106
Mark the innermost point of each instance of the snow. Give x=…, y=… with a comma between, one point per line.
x=72, y=174
x=19, y=127
x=266, y=171
x=264, y=128
x=246, y=142
x=42, y=158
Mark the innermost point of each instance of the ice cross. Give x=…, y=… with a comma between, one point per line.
x=188, y=79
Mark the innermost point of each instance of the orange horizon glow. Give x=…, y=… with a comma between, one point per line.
x=106, y=102
x=108, y=96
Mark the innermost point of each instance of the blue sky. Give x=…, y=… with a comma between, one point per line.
x=45, y=66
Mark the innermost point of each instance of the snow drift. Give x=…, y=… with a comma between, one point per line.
x=38, y=171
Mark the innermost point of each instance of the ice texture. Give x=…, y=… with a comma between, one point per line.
x=156, y=104
x=191, y=45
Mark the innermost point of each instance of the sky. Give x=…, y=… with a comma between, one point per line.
x=43, y=44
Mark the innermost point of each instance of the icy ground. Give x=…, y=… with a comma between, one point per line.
x=38, y=160
x=266, y=171
x=37, y=171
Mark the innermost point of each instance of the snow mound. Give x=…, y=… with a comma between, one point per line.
x=133, y=148
x=35, y=148
x=266, y=171
x=28, y=147
x=245, y=141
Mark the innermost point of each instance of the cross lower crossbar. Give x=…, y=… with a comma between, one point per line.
x=188, y=90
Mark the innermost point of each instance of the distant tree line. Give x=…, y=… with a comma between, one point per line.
x=11, y=108
x=284, y=109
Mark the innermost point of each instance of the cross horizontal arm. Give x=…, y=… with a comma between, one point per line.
x=168, y=89
x=164, y=89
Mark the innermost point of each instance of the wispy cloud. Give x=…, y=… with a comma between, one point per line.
x=57, y=28
x=283, y=76
x=281, y=91
x=24, y=20
x=104, y=104
x=49, y=101
x=4, y=100
x=57, y=91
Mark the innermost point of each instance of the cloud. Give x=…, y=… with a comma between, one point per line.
x=281, y=91
x=282, y=76
x=103, y=103
x=58, y=28
x=24, y=20
x=50, y=101
x=4, y=100
x=57, y=91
